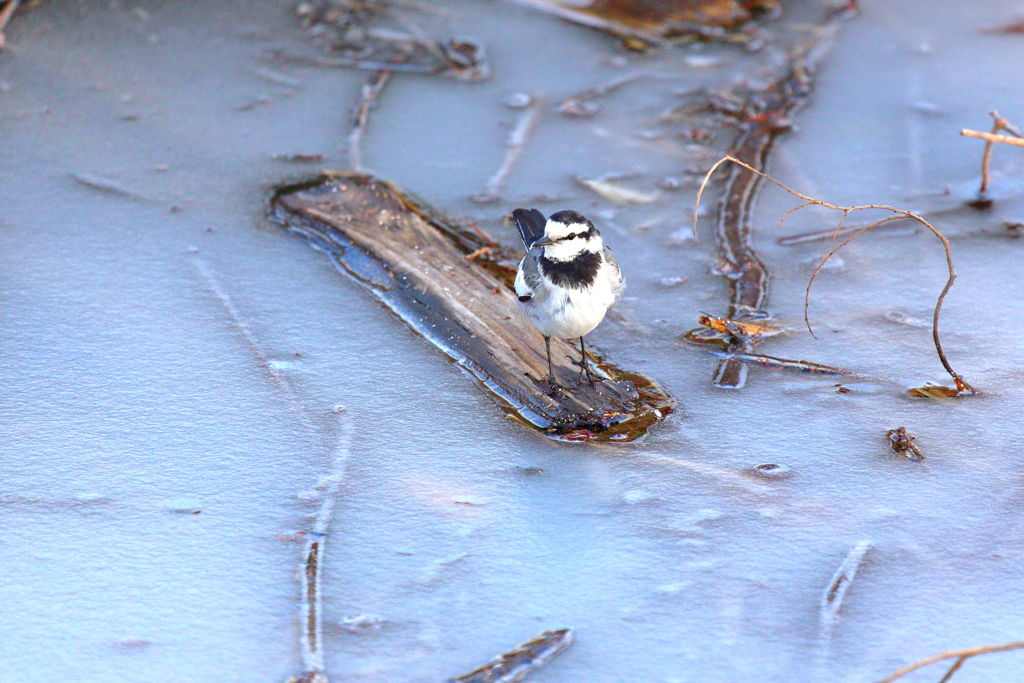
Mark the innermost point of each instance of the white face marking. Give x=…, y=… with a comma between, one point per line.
x=568, y=249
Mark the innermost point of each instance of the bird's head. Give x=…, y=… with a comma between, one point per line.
x=567, y=234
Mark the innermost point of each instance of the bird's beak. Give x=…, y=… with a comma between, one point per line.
x=543, y=242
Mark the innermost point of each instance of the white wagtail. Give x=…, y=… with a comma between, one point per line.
x=567, y=281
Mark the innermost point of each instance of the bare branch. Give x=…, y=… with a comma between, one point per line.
x=961, y=384
x=960, y=654
x=991, y=137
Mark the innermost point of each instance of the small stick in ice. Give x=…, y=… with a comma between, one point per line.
x=107, y=185
x=582, y=104
x=276, y=77
x=961, y=656
x=371, y=91
x=515, y=665
x=835, y=592
x=615, y=192
x=774, y=362
x=830, y=234
x=983, y=201
x=283, y=57
x=516, y=141
x=310, y=571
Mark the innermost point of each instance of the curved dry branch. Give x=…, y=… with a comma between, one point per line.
x=794, y=210
x=817, y=269
x=961, y=384
x=961, y=655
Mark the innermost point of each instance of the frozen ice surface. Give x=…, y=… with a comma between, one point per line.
x=155, y=361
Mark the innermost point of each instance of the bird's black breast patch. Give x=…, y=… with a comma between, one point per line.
x=578, y=273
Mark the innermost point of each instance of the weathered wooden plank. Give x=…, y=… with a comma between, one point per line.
x=417, y=263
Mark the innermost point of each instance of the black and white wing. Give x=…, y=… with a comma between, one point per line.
x=528, y=278
x=619, y=284
x=531, y=225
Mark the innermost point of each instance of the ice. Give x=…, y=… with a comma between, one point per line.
x=142, y=376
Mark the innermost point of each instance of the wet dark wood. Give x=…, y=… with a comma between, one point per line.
x=417, y=263
x=763, y=116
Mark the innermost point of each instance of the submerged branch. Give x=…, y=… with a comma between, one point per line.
x=516, y=664
x=835, y=591
x=370, y=92
x=961, y=384
x=516, y=141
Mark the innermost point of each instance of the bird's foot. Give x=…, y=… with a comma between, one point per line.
x=553, y=387
x=586, y=374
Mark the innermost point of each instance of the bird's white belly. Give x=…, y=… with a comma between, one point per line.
x=569, y=313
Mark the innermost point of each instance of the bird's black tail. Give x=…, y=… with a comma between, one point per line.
x=531, y=225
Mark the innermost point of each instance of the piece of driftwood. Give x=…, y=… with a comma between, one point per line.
x=643, y=23
x=514, y=666
x=762, y=116
x=415, y=261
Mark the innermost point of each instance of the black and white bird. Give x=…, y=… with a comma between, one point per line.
x=567, y=281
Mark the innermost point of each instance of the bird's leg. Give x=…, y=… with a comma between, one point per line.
x=552, y=384
x=585, y=366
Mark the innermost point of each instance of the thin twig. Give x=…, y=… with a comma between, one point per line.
x=282, y=57
x=1007, y=139
x=831, y=234
x=516, y=141
x=953, y=669
x=960, y=654
x=775, y=362
x=998, y=124
x=581, y=104
x=829, y=255
x=961, y=384
x=370, y=92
